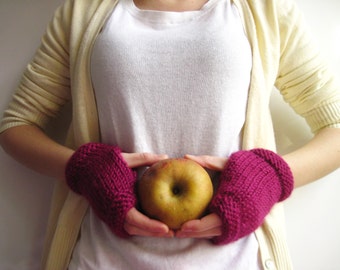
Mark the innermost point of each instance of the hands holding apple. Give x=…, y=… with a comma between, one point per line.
x=208, y=226
x=250, y=184
x=177, y=192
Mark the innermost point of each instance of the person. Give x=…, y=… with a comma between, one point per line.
x=149, y=80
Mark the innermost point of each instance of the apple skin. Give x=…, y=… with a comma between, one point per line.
x=174, y=191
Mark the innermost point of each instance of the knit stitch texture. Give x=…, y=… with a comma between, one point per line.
x=250, y=184
x=99, y=173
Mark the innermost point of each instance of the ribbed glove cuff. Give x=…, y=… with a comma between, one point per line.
x=250, y=184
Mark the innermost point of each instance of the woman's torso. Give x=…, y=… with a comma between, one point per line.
x=173, y=83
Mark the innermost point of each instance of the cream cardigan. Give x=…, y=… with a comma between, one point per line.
x=283, y=56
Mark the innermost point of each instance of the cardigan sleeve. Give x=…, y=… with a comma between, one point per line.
x=45, y=84
x=304, y=78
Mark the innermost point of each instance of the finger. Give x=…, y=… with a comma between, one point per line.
x=205, y=234
x=207, y=227
x=142, y=159
x=138, y=224
x=208, y=222
x=209, y=162
x=132, y=230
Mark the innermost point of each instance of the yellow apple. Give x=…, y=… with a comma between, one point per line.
x=174, y=191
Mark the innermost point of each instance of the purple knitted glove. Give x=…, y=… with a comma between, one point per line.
x=99, y=173
x=250, y=184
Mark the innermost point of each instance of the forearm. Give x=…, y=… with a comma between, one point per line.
x=33, y=148
x=317, y=158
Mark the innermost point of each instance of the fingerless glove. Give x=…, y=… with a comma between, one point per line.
x=99, y=173
x=250, y=184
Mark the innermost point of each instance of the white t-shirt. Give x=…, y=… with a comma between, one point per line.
x=174, y=83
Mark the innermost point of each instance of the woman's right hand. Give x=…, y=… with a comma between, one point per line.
x=137, y=223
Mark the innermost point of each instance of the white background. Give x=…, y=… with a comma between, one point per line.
x=313, y=216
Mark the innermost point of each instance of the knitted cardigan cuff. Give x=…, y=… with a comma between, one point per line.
x=100, y=174
x=250, y=184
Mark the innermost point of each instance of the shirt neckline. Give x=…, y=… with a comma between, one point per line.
x=167, y=17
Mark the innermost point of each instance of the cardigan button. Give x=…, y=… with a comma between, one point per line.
x=270, y=265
